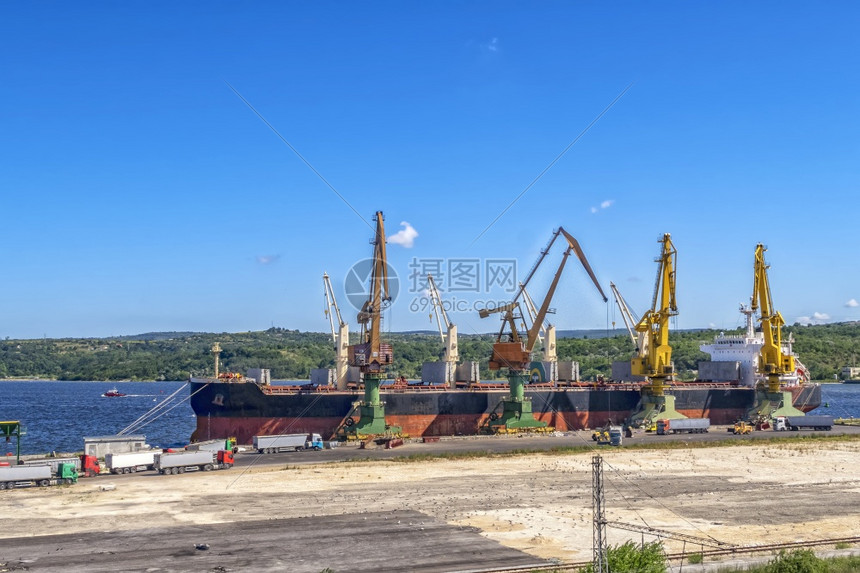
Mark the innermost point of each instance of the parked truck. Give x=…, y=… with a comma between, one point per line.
x=130, y=462
x=287, y=443
x=214, y=445
x=180, y=462
x=27, y=475
x=782, y=423
x=689, y=425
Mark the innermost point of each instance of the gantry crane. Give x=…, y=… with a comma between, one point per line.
x=653, y=358
x=775, y=360
x=449, y=337
x=371, y=355
x=514, y=352
x=339, y=335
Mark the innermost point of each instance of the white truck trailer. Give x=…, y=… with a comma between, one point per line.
x=41, y=475
x=130, y=462
x=180, y=462
x=287, y=443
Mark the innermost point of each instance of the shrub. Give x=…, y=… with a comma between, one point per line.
x=799, y=561
x=633, y=558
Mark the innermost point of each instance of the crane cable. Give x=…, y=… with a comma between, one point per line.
x=142, y=422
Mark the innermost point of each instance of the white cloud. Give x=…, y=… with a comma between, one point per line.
x=816, y=318
x=493, y=45
x=852, y=303
x=405, y=237
x=603, y=205
x=268, y=259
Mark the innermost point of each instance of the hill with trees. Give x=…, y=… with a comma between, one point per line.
x=290, y=354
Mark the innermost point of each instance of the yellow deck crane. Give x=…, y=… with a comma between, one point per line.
x=774, y=361
x=514, y=351
x=653, y=358
x=449, y=337
x=371, y=355
x=339, y=335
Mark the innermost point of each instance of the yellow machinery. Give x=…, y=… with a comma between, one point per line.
x=774, y=360
x=653, y=358
x=514, y=351
x=742, y=428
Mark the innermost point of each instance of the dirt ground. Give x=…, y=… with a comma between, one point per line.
x=537, y=503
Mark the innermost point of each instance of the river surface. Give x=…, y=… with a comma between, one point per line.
x=57, y=415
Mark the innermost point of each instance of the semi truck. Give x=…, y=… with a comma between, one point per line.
x=287, y=443
x=27, y=475
x=86, y=466
x=689, y=425
x=214, y=445
x=130, y=462
x=783, y=423
x=204, y=460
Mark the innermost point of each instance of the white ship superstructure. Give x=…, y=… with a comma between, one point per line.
x=745, y=349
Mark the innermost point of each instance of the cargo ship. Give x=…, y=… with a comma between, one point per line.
x=244, y=407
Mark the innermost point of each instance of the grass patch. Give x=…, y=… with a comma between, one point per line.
x=695, y=558
x=803, y=561
x=656, y=445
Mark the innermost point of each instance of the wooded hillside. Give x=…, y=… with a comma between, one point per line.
x=291, y=354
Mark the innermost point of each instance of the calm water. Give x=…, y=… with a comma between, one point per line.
x=57, y=415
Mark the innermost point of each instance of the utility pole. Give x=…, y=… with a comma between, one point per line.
x=599, y=561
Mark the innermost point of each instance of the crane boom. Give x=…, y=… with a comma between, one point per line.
x=371, y=355
x=331, y=303
x=628, y=317
x=449, y=338
x=339, y=335
x=774, y=362
x=654, y=359
x=516, y=354
x=531, y=309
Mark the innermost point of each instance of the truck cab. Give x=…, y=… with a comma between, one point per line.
x=615, y=436
x=314, y=442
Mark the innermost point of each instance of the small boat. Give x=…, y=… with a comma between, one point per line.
x=113, y=393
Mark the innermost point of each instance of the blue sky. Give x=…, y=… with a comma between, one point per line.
x=141, y=194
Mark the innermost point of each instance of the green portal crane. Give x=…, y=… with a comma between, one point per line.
x=371, y=355
x=515, y=353
x=13, y=429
